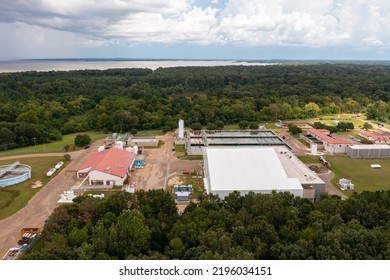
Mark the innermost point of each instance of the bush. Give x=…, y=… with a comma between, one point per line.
x=294, y=130
x=243, y=124
x=253, y=125
x=82, y=140
x=196, y=126
x=211, y=126
x=219, y=124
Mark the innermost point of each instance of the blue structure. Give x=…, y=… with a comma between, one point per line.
x=183, y=196
x=13, y=174
x=138, y=163
x=182, y=188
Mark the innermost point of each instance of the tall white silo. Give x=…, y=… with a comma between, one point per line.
x=181, y=130
x=313, y=149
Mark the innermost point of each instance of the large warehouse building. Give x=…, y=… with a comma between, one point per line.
x=368, y=151
x=258, y=169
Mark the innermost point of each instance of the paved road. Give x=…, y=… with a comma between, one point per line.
x=329, y=187
x=43, y=203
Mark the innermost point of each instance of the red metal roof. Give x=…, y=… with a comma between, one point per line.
x=320, y=133
x=374, y=137
x=112, y=161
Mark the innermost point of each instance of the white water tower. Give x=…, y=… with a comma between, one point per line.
x=181, y=130
x=314, y=148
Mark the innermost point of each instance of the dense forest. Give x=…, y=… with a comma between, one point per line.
x=146, y=225
x=39, y=107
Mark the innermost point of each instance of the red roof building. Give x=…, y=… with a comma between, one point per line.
x=109, y=167
x=331, y=145
x=378, y=136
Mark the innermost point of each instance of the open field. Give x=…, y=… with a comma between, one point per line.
x=197, y=183
x=53, y=147
x=106, y=193
x=363, y=176
x=180, y=148
x=359, y=171
x=14, y=198
x=148, y=133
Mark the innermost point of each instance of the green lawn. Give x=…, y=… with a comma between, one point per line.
x=197, y=183
x=310, y=159
x=53, y=147
x=149, y=133
x=180, y=148
x=106, y=193
x=191, y=157
x=360, y=172
x=304, y=142
x=14, y=198
x=231, y=127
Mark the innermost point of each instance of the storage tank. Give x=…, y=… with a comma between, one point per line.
x=181, y=130
x=314, y=149
x=119, y=145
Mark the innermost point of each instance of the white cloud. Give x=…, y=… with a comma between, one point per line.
x=306, y=23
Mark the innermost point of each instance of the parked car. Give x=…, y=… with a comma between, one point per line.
x=51, y=172
x=59, y=165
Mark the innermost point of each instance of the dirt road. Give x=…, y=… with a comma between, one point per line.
x=160, y=164
x=43, y=203
x=329, y=187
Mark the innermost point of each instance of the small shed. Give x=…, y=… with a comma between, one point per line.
x=183, y=196
x=182, y=188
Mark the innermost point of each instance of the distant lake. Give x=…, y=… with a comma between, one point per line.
x=67, y=65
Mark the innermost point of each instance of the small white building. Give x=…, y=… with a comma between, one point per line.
x=108, y=168
x=369, y=151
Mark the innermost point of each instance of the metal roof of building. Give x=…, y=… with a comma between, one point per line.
x=112, y=161
x=321, y=133
x=247, y=169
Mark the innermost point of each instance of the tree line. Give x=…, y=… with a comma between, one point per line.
x=146, y=225
x=39, y=107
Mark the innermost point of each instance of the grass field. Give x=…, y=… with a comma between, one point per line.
x=191, y=157
x=359, y=171
x=180, y=148
x=149, y=133
x=197, y=183
x=53, y=147
x=14, y=198
x=106, y=193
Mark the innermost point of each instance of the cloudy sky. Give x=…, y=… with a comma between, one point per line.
x=195, y=29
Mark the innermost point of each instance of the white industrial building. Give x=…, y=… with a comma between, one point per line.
x=107, y=168
x=369, y=151
x=258, y=169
